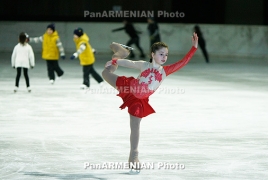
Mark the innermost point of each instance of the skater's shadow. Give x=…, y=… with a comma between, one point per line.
x=63, y=176
x=68, y=176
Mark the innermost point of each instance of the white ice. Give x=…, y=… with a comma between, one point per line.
x=212, y=118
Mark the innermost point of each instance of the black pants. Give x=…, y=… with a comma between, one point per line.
x=87, y=70
x=156, y=39
x=135, y=41
x=25, y=72
x=202, y=45
x=53, y=65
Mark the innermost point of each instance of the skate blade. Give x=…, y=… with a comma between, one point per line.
x=124, y=46
x=134, y=172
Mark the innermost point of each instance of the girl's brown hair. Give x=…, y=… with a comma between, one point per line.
x=22, y=38
x=155, y=47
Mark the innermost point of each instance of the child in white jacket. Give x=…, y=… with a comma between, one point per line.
x=22, y=58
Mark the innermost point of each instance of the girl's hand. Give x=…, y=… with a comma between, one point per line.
x=109, y=63
x=195, y=40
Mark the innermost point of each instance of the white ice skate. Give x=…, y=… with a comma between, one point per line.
x=83, y=86
x=29, y=89
x=125, y=46
x=51, y=81
x=101, y=84
x=121, y=51
x=134, y=163
x=134, y=172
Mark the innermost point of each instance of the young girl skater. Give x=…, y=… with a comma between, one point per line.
x=86, y=55
x=22, y=58
x=135, y=92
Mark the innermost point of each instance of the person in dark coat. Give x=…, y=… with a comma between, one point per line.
x=134, y=38
x=202, y=42
x=153, y=31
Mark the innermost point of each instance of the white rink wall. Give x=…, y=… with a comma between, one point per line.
x=222, y=40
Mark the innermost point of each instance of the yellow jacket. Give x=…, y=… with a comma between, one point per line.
x=50, y=49
x=87, y=56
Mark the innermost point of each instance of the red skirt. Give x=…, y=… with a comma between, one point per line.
x=136, y=107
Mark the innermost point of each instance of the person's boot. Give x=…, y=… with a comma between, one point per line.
x=133, y=160
x=120, y=51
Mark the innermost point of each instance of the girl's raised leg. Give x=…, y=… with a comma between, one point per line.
x=119, y=51
x=108, y=72
x=109, y=76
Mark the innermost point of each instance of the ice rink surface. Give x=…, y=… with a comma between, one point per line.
x=210, y=118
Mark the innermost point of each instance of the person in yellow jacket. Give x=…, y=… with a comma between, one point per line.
x=86, y=56
x=51, y=50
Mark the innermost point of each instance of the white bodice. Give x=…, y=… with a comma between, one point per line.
x=148, y=81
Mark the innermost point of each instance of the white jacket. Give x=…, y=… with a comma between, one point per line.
x=22, y=56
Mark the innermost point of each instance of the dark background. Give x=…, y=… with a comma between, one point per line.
x=248, y=12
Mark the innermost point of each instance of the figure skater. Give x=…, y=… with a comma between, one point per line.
x=86, y=56
x=135, y=92
x=22, y=59
x=134, y=37
x=202, y=42
x=52, y=48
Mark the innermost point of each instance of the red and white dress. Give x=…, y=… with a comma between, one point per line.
x=135, y=92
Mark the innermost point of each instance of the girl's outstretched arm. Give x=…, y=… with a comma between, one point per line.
x=169, y=69
x=81, y=49
x=36, y=39
x=126, y=63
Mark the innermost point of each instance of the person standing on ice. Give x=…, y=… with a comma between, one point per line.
x=51, y=49
x=22, y=59
x=153, y=30
x=135, y=92
x=202, y=42
x=134, y=37
x=86, y=56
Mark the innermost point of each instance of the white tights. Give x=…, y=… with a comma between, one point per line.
x=110, y=77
